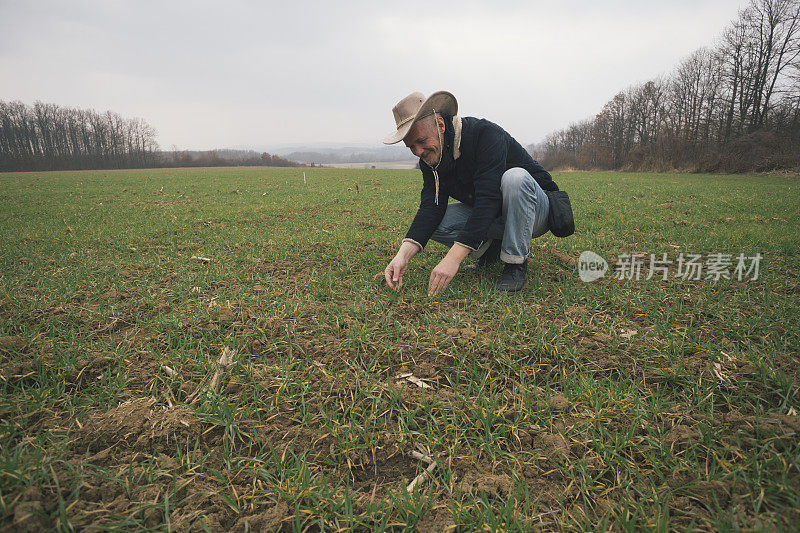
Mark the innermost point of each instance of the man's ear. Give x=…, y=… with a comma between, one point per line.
x=440, y=124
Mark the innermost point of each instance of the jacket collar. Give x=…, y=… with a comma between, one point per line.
x=456, y=137
x=450, y=151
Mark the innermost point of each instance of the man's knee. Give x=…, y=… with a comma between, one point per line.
x=512, y=180
x=444, y=231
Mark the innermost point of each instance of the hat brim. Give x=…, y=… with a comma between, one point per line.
x=443, y=102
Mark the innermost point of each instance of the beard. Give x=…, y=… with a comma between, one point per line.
x=432, y=159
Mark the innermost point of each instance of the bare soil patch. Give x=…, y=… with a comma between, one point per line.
x=141, y=425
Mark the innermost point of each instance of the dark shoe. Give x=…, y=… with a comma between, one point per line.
x=489, y=257
x=513, y=278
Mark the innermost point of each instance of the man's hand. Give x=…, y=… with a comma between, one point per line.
x=394, y=272
x=446, y=269
x=397, y=267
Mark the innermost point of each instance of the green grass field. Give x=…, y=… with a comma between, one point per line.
x=621, y=404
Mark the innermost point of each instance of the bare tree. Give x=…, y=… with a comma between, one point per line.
x=48, y=137
x=734, y=106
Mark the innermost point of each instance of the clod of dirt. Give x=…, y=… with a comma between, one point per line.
x=782, y=425
x=521, y=439
x=681, y=434
x=709, y=492
x=499, y=485
x=12, y=342
x=271, y=324
x=460, y=332
x=461, y=336
x=91, y=370
x=138, y=422
x=552, y=445
x=17, y=372
x=187, y=387
x=576, y=310
x=564, y=259
x=210, y=519
x=27, y=511
x=109, y=327
x=234, y=386
x=153, y=517
x=437, y=521
x=603, y=338
x=223, y=315
x=596, y=340
x=387, y=466
x=558, y=402
x=269, y=520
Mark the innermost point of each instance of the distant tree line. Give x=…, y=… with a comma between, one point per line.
x=51, y=137
x=222, y=158
x=733, y=107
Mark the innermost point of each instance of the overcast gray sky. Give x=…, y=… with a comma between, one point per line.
x=218, y=74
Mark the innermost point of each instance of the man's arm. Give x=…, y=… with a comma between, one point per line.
x=446, y=269
x=491, y=153
x=492, y=150
x=430, y=213
x=427, y=219
x=397, y=266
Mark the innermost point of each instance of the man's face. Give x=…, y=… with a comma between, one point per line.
x=423, y=140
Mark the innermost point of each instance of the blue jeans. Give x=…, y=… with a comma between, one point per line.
x=525, y=210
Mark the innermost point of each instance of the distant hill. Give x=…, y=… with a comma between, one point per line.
x=325, y=153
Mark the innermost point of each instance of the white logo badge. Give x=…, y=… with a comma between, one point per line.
x=591, y=266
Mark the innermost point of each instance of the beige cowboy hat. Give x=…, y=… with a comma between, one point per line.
x=414, y=107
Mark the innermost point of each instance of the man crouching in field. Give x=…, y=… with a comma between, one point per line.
x=499, y=188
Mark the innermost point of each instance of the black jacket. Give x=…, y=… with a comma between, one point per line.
x=470, y=171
